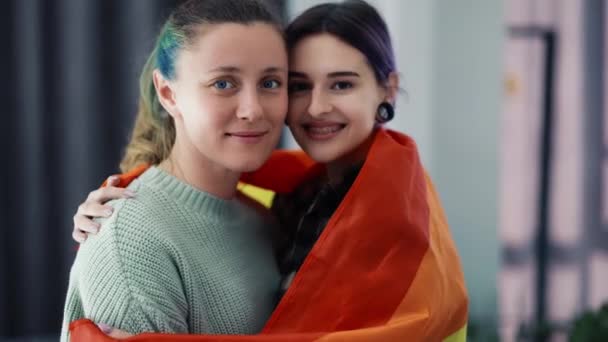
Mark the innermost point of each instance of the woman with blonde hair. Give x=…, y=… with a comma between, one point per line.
x=188, y=254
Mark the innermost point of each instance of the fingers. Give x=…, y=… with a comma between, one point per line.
x=113, y=332
x=85, y=224
x=94, y=210
x=83, y=220
x=94, y=207
x=79, y=236
x=113, y=181
x=102, y=195
x=119, y=334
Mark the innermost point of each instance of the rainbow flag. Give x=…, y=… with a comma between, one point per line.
x=384, y=269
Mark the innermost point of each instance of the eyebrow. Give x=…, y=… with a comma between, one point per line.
x=236, y=70
x=343, y=74
x=330, y=75
x=297, y=74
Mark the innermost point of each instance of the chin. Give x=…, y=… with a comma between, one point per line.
x=248, y=165
x=322, y=157
x=320, y=152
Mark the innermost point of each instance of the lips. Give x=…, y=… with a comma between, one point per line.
x=248, y=134
x=247, y=137
x=322, y=130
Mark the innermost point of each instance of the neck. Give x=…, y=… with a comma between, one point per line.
x=188, y=165
x=337, y=168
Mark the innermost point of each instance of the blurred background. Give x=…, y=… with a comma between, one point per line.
x=505, y=98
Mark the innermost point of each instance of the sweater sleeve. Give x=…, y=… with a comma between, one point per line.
x=127, y=277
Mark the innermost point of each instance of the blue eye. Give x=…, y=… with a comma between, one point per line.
x=341, y=85
x=223, y=84
x=271, y=84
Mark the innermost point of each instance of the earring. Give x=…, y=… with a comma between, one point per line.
x=385, y=113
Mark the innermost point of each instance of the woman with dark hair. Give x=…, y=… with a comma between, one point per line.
x=368, y=254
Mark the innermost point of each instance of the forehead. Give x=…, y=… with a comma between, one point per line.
x=323, y=53
x=255, y=45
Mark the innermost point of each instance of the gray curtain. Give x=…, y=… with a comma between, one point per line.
x=69, y=90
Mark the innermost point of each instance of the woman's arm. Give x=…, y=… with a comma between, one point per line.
x=127, y=280
x=93, y=207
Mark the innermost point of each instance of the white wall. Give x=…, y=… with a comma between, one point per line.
x=467, y=93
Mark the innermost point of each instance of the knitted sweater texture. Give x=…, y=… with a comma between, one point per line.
x=175, y=259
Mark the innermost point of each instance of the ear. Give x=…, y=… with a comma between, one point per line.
x=165, y=93
x=391, y=87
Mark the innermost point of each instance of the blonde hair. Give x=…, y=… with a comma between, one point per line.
x=154, y=133
x=153, y=136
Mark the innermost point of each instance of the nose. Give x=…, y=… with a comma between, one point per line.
x=250, y=108
x=319, y=104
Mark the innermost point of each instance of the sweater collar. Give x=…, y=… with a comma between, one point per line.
x=189, y=196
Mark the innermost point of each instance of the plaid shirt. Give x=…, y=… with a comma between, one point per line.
x=303, y=215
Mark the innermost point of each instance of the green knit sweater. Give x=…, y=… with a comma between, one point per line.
x=175, y=259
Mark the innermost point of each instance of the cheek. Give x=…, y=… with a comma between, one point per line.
x=216, y=109
x=207, y=116
x=297, y=107
x=360, y=114
x=275, y=108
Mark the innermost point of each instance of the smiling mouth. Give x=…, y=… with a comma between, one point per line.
x=247, y=138
x=247, y=134
x=324, y=131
